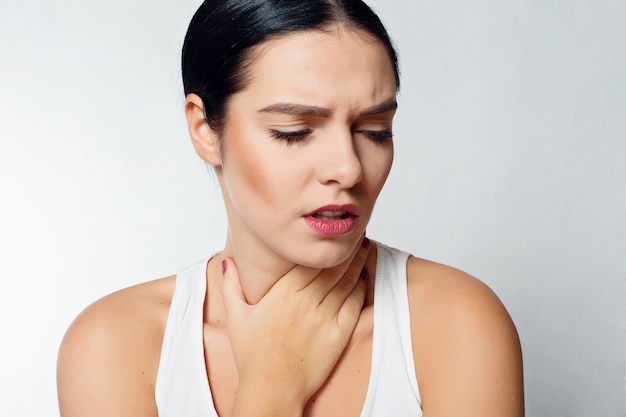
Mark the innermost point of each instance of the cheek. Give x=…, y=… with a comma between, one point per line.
x=381, y=179
x=247, y=169
x=388, y=165
x=379, y=166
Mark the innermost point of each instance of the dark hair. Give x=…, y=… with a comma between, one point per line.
x=222, y=32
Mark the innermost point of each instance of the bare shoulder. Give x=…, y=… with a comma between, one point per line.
x=466, y=348
x=109, y=356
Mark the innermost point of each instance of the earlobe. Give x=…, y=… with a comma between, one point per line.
x=204, y=139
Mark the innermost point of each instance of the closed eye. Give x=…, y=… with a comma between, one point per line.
x=290, y=137
x=378, y=136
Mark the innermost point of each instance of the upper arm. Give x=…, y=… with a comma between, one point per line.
x=467, y=352
x=107, y=361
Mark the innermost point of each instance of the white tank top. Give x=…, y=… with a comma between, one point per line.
x=182, y=386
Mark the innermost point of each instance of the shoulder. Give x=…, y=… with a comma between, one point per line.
x=466, y=348
x=456, y=295
x=109, y=356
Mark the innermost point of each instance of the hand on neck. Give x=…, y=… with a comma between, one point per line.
x=258, y=269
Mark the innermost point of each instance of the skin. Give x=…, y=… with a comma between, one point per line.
x=278, y=271
x=337, y=163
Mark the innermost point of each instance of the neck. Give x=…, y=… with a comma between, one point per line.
x=258, y=270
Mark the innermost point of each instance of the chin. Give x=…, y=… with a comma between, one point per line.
x=324, y=254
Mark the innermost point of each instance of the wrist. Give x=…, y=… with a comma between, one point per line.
x=268, y=400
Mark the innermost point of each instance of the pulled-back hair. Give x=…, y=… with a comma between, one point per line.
x=222, y=33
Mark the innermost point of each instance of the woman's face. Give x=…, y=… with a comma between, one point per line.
x=307, y=147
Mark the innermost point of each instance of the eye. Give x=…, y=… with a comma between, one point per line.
x=378, y=136
x=290, y=137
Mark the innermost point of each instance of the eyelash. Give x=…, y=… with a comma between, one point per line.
x=290, y=137
x=376, y=136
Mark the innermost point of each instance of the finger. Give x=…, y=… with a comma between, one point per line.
x=232, y=293
x=338, y=294
x=347, y=272
x=296, y=279
x=350, y=310
x=329, y=277
x=301, y=277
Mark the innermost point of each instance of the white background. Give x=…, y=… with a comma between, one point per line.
x=510, y=164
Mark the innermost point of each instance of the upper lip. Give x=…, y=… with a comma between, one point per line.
x=336, y=208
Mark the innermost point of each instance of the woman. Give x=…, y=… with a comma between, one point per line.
x=292, y=103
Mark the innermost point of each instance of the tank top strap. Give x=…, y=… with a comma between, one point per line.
x=393, y=388
x=182, y=386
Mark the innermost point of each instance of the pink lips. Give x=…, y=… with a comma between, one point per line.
x=332, y=219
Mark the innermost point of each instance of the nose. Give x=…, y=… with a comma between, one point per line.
x=339, y=161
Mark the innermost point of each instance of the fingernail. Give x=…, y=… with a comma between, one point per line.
x=366, y=243
x=224, y=265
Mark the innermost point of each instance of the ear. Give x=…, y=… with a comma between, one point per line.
x=204, y=139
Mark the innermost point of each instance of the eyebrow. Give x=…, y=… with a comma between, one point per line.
x=381, y=108
x=304, y=110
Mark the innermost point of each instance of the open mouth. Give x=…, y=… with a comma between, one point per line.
x=331, y=215
x=333, y=219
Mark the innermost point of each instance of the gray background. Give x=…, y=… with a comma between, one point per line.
x=510, y=165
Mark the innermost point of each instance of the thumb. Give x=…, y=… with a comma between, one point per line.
x=232, y=293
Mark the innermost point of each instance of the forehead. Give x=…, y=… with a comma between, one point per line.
x=327, y=68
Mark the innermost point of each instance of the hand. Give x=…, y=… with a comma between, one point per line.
x=286, y=345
